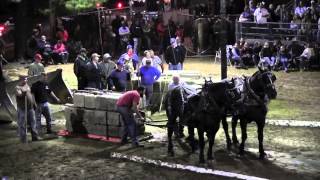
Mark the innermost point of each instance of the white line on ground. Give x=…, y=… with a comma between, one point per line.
x=289, y=123
x=184, y=167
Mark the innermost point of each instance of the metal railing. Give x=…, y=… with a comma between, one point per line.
x=275, y=30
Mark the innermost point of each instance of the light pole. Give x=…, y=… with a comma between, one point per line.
x=223, y=39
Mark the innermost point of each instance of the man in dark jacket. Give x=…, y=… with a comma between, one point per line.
x=119, y=78
x=93, y=72
x=79, y=68
x=174, y=56
x=41, y=90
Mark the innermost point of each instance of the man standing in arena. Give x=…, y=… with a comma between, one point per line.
x=79, y=68
x=36, y=68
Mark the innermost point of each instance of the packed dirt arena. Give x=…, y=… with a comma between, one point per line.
x=122, y=95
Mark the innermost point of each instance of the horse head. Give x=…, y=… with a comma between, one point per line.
x=263, y=82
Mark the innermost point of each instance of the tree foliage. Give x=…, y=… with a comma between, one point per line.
x=78, y=5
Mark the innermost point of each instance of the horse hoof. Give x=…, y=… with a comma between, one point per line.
x=229, y=146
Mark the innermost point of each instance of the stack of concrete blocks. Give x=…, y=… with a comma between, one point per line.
x=94, y=113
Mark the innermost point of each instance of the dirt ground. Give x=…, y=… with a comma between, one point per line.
x=293, y=153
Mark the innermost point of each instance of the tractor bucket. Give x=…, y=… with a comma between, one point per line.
x=8, y=106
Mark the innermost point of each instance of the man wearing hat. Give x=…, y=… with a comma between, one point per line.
x=119, y=78
x=36, y=68
x=25, y=110
x=107, y=66
x=149, y=75
x=79, y=68
x=94, y=73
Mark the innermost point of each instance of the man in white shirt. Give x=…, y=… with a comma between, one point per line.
x=261, y=14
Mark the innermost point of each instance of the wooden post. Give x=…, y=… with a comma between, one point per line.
x=223, y=39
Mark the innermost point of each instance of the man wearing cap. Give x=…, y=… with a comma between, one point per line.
x=36, y=68
x=79, y=68
x=173, y=56
x=41, y=90
x=119, y=78
x=93, y=72
x=149, y=75
x=107, y=66
x=127, y=104
x=25, y=110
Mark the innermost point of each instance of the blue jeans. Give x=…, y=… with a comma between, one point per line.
x=175, y=67
x=130, y=126
x=149, y=92
x=284, y=62
x=43, y=108
x=22, y=124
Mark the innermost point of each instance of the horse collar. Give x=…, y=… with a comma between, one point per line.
x=251, y=91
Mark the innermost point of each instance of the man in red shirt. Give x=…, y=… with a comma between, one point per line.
x=127, y=104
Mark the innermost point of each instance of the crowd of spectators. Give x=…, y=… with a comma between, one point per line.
x=274, y=55
x=302, y=20
x=54, y=51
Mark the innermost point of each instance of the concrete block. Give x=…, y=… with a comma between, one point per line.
x=89, y=117
x=89, y=101
x=78, y=99
x=114, y=131
x=101, y=102
x=100, y=117
x=114, y=118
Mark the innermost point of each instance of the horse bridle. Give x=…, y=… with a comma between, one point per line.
x=252, y=92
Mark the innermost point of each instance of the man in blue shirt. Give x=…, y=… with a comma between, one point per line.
x=149, y=75
x=118, y=78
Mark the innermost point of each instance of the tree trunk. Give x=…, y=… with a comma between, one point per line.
x=21, y=21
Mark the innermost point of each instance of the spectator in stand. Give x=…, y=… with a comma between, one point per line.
x=283, y=58
x=45, y=49
x=305, y=57
x=79, y=68
x=179, y=32
x=318, y=32
x=235, y=55
x=295, y=49
x=36, y=68
x=273, y=16
x=130, y=56
x=156, y=61
x=241, y=43
x=252, y=7
x=315, y=11
x=247, y=55
x=300, y=10
x=276, y=45
x=256, y=52
x=62, y=34
x=116, y=24
x=267, y=55
x=93, y=72
x=107, y=66
x=118, y=79
x=161, y=29
x=25, y=107
x=147, y=31
x=246, y=15
x=32, y=44
x=124, y=33
x=149, y=75
x=261, y=14
x=41, y=90
x=136, y=35
x=60, y=53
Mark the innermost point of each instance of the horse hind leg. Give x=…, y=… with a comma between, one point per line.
x=234, y=122
x=226, y=132
x=243, y=125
